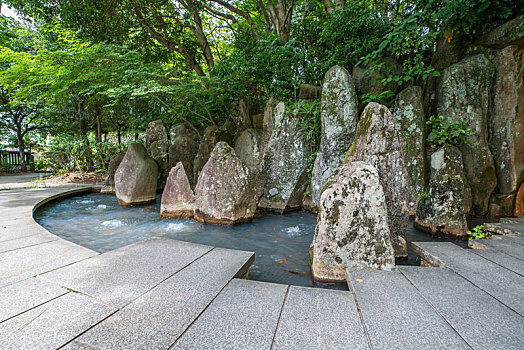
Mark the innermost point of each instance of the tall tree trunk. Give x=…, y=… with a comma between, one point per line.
x=21, y=150
x=98, y=135
x=88, y=153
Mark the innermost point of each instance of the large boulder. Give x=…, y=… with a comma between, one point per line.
x=177, y=130
x=352, y=226
x=273, y=111
x=507, y=119
x=510, y=33
x=441, y=209
x=368, y=81
x=136, y=177
x=465, y=94
x=378, y=143
x=212, y=135
x=226, y=192
x=285, y=163
x=157, y=145
x=339, y=118
x=109, y=183
x=247, y=148
x=178, y=200
x=410, y=124
x=184, y=149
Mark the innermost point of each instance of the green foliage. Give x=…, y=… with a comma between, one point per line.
x=421, y=197
x=380, y=97
x=479, y=232
x=445, y=131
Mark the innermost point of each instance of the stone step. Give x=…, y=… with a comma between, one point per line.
x=516, y=229
x=122, y=275
x=502, y=244
x=24, y=242
x=465, y=307
x=243, y=316
x=504, y=260
x=314, y=318
x=52, y=324
x=397, y=316
x=156, y=319
x=501, y=283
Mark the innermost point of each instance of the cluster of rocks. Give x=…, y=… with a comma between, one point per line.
x=372, y=169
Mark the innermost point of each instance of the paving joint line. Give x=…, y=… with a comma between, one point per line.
x=362, y=321
x=496, y=263
x=280, y=316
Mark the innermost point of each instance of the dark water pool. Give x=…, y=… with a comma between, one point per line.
x=280, y=242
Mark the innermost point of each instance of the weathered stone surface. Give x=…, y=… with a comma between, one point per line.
x=377, y=143
x=226, y=192
x=109, y=183
x=507, y=119
x=441, y=209
x=369, y=82
x=284, y=166
x=339, y=117
x=243, y=119
x=309, y=92
x=177, y=130
x=269, y=123
x=212, y=135
x=464, y=94
x=510, y=33
x=258, y=121
x=247, y=148
x=157, y=145
x=136, y=177
x=501, y=204
x=410, y=124
x=352, y=226
x=178, y=200
x=184, y=149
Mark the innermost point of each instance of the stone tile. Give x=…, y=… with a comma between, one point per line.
x=23, y=242
x=397, y=316
x=20, y=264
x=479, y=318
x=159, y=317
x=121, y=275
x=503, y=284
x=506, y=228
x=506, y=246
x=53, y=324
x=507, y=261
x=22, y=296
x=244, y=316
x=315, y=318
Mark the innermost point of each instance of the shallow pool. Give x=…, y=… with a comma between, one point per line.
x=280, y=242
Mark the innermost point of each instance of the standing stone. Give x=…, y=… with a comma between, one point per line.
x=136, y=177
x=510, y=33
x=109, y=183
x=184, y=149
x=339, y=117
x=352, y=227
x=226, y=193
x=285, y=164
x=441, y=209
x=507, y=119
x=157, y=145
x=378, y=143
x=212, y=135
x=271, y=112
x=177, y=130
x=178, y=200
x=247, y=148
x=465, y=94
x=410, y=124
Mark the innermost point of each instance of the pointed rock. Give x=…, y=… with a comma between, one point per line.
x=109, y=183
x=157, y=145
x=339, y=117
x=247, y=148
x=352, y=227
x=178, y=200
x=441, y=209
x=378, y=143
x=184, y=149
x=136, y=177
x=226, y=193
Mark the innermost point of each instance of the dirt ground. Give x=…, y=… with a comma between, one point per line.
x=91, y=178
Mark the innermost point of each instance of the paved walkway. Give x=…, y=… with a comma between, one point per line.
x=24, y=180
x=163, y=294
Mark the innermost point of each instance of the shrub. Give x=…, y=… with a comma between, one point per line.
x=478, y=232
x=445, y=131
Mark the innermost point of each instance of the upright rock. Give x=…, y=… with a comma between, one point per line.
x=284, y=166
x=273, y=111
x=377, y=143
x=352, y=227
x=136, y=177
x=465, y=94
x=212, y=135
x=247, y=148
x=507, y=119
x=441, y=209
x=157, y=145
x=410, y=124
x=184, y=149
x=339, y=117
x=177, y=130
x=109, y=183
x=226, y=193
x=178, y=200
